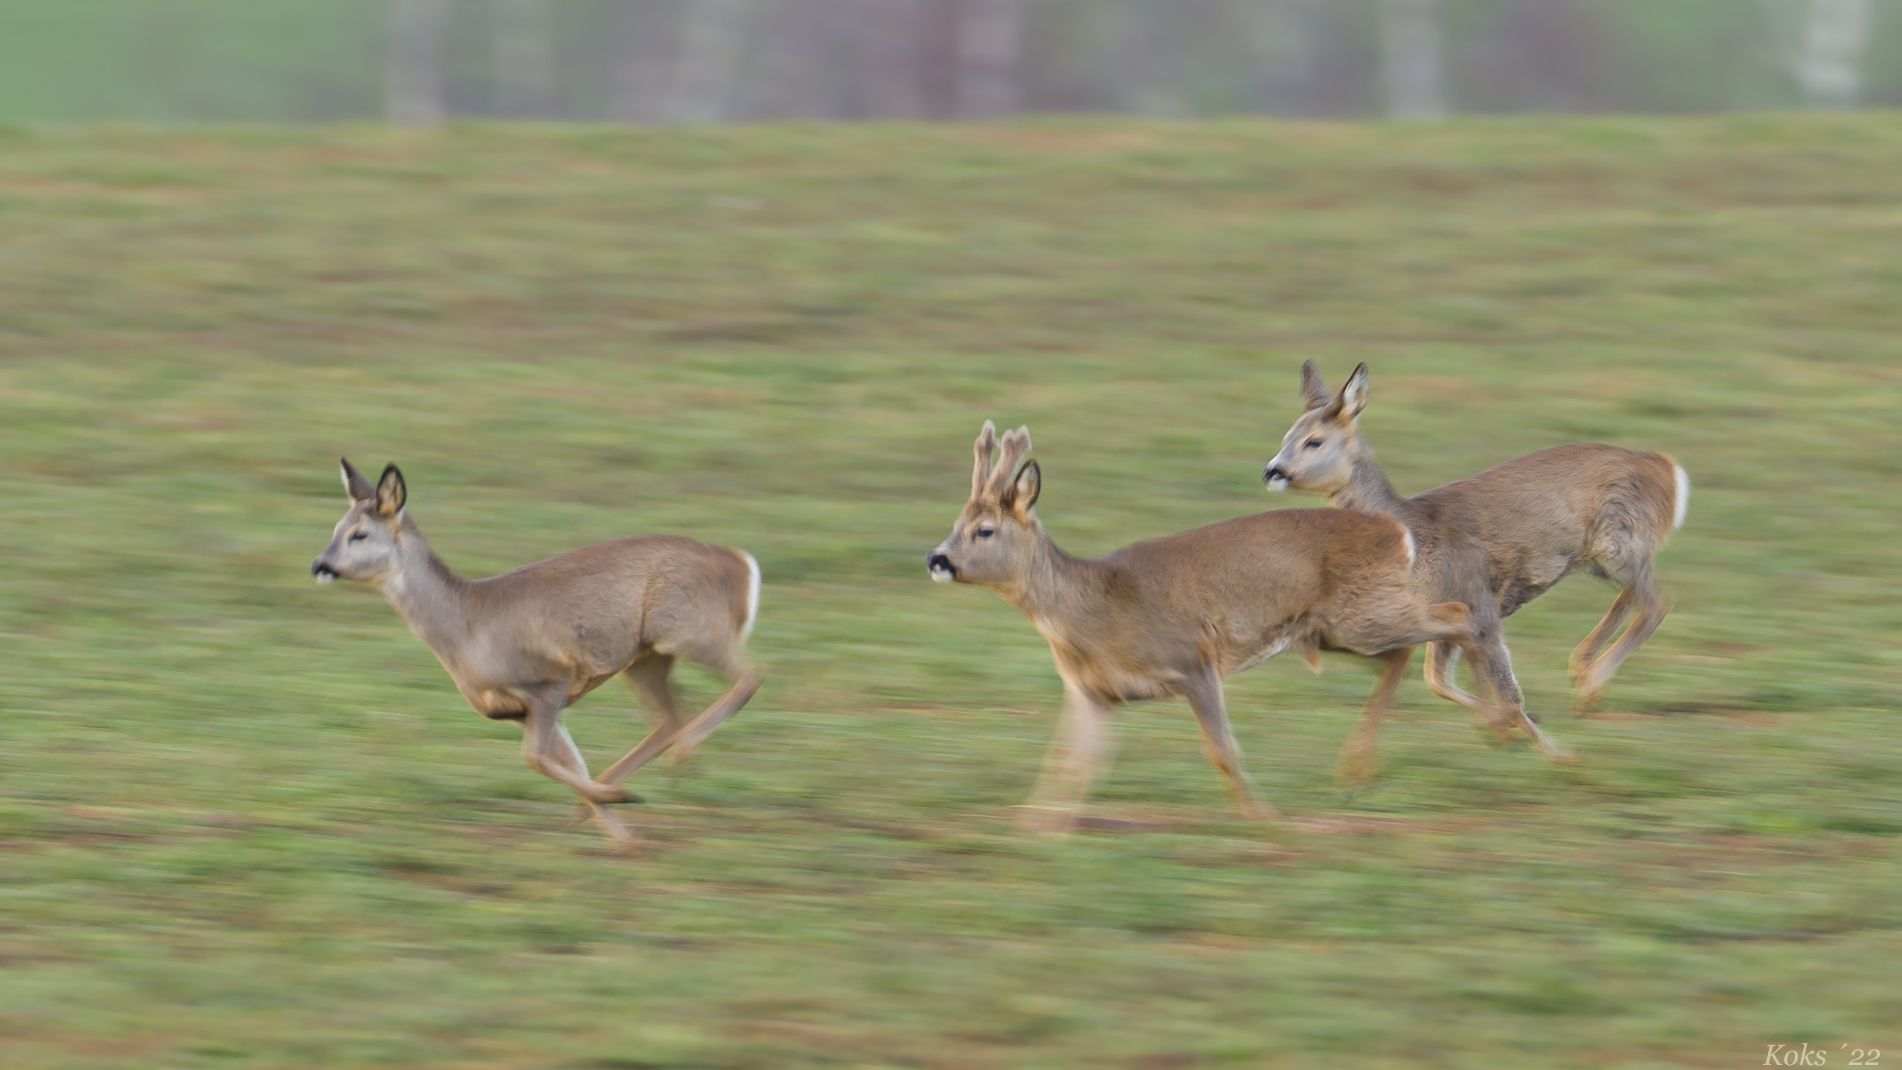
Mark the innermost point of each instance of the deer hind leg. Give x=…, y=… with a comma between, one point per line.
x=1591, y=679
x=1587, y=651
x=1359, y=760
x=648, y=675
x=1204, y=693
x=1079, y=751
x=743, y=682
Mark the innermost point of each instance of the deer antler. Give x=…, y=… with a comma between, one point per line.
x=986, y=447
x=1016, y=445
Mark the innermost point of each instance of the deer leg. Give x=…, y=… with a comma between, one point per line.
x=744, y=683
x=1081, y=748
x=542, y=748
x=1493, y=662
x=1651, y=608
x=569, y=755
x=1359, y=760
x=1204, y=693
x=1442, y=658
x=1587, y=651
x=648, y=675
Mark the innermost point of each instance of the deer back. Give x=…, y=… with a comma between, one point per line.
x=1230, y=594
x=1536, y=518
x=595, y=609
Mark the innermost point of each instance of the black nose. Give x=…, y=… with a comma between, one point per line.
x=936, y=561
x=318, y=568
x=1273, y=472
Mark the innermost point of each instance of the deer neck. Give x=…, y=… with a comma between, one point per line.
x=1367, y=488
x=428, y=594
x=1054, y=587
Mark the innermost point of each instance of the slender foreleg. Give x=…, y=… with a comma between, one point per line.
x=1204, y=692
x=1077, y=754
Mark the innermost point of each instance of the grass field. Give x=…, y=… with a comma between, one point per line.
x=247, y=822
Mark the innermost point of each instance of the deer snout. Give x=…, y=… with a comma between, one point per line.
x=323, y=572
x=1275, y=477
x=942, y=570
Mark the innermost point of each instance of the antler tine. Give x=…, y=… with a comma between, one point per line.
x=986, y=447
x=1016, y=445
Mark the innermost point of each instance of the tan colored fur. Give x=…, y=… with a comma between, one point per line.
x=1502, y=538
x=528, y=643
x=1179, y=614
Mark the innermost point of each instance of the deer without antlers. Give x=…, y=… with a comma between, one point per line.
x=1180, y=614
x=1505, y=536
x=525, y=645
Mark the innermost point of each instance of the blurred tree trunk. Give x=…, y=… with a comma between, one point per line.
x=523, y=68
x=708, y=60
x=1281, y=44
x=988, y=47
x=1144, y=43
x=892, y=32
x=1410, y=58
x=634, y=83
x=1828, y=65
x=412, y=63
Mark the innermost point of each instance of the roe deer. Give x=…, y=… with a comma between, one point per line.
x=525, y=645
x=1179, y=614
x=1502, y=538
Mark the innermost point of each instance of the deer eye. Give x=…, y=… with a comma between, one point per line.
x=986, y=531
x=357, y=536
x=1312, y=444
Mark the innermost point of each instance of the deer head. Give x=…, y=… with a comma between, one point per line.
x=1317, y=454
x=997, y=532
x=363, y=544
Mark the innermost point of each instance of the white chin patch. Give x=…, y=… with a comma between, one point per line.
x=1279, y=483
x=942, y=575
x=326, y=577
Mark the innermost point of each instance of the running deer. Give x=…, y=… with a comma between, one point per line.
x=1502, y=538
x=1180, y=614
x=525, y=645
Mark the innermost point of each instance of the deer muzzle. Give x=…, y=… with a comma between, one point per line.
x=942, y=570
x=1275, y=477
x=323, y=572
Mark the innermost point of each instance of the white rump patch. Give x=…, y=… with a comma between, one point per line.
x=1683, y=504
x=752, y=596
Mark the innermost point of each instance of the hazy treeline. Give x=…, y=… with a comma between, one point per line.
x=422, y=61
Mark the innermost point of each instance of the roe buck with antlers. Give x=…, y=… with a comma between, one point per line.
x=1180, y=614
x=1502, y=538
x=525, y=645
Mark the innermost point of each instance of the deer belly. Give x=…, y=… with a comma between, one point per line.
x=497, y=705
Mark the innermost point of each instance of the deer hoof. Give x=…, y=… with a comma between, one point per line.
x=1258, y=811
x=1045, y=820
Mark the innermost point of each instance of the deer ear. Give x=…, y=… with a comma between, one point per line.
x=1023, y=492
x=357, y=487
x=1313, y=391
x=1353, y=395
x=391, y=493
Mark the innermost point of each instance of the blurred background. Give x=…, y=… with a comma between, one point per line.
x=680, y=61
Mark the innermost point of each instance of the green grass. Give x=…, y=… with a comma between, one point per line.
x=247, y=822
